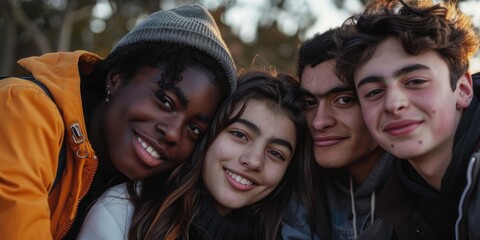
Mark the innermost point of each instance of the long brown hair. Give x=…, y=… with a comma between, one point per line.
x=167, y=204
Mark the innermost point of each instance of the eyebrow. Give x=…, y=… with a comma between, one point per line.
x=398, y=73
x=337, y=89
x=250, y=125
x=282, y=142
x=204, y=118
x=258, y=131
x=184, y=102
x=180, y=95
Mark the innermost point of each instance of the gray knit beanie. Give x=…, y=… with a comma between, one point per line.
x=193, y=26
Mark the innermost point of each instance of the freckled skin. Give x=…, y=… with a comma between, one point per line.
x=423, y=95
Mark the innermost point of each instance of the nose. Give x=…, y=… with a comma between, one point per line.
x=322, y=118
x=395, y=101
x=171, y=130
x=252, y=159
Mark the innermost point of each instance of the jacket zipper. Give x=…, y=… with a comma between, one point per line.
x=75, y=207
x=465, y=194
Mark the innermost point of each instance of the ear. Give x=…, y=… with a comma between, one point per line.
x=465, y=91
x=114, y=81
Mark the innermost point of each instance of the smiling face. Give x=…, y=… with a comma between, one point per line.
x=340, y=136
x=148, y=130
x=248, y=158
x=408, y=104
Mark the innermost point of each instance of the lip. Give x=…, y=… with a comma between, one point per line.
x=401, y=128
x=145, y=156
x=327, y=141
x=236, y=185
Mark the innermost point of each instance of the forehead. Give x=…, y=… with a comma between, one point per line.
x=201, y=95
x=194, y=79
x=390, y=57
x=263, y=114
x=319, y=77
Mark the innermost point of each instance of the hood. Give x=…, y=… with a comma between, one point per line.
x=339, y=178
x=60, y=73
x=466, y=138
x=377, y=176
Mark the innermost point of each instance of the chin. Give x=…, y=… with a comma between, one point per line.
x=335, y=162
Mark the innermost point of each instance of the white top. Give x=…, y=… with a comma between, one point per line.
x=110, y=217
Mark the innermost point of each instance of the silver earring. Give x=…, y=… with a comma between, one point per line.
x=107, y=99
x=458, y=107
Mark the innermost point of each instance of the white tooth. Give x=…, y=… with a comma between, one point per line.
x=238, y=178
x=149, y=149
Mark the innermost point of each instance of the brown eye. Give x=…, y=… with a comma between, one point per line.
x=276, y=154
x=238, y=134
x=195, y=129
x=167, y=103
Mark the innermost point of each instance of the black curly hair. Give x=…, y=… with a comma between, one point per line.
x=172, y=58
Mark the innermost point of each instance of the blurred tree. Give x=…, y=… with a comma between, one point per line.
x=266, y=33
x=34, y=27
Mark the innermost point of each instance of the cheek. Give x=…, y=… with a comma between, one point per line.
x=215, y=153
x=443, y=119
x=186, y=149
x=275, y=174
x=371, y=115
x=210, y=157
x=441, y=111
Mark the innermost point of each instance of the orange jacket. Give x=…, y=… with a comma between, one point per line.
x=32, y=130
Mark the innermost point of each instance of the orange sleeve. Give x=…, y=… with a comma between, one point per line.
x=31, y=134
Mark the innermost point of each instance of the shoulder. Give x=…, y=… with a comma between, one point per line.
x=112, y=211
x=14, y=87
x=115, y=197
x=294, y=223
x=476, y=83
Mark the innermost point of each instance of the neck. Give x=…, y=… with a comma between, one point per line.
x=222, y=210
x=97, y=139
x=432, y=166
x=360, y=168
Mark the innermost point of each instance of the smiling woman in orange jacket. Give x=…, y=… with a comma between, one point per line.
x=137, y=113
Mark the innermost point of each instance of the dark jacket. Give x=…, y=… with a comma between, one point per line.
x=466, y=226
x=334, y=218
x=397, y=217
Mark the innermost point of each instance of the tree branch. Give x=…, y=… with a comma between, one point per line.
x=21, y=18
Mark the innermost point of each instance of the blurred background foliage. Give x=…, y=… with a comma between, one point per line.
x=259, y=33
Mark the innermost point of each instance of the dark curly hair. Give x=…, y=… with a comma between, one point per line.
x=419, y=25
x=172, y=58
x=316, y=50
